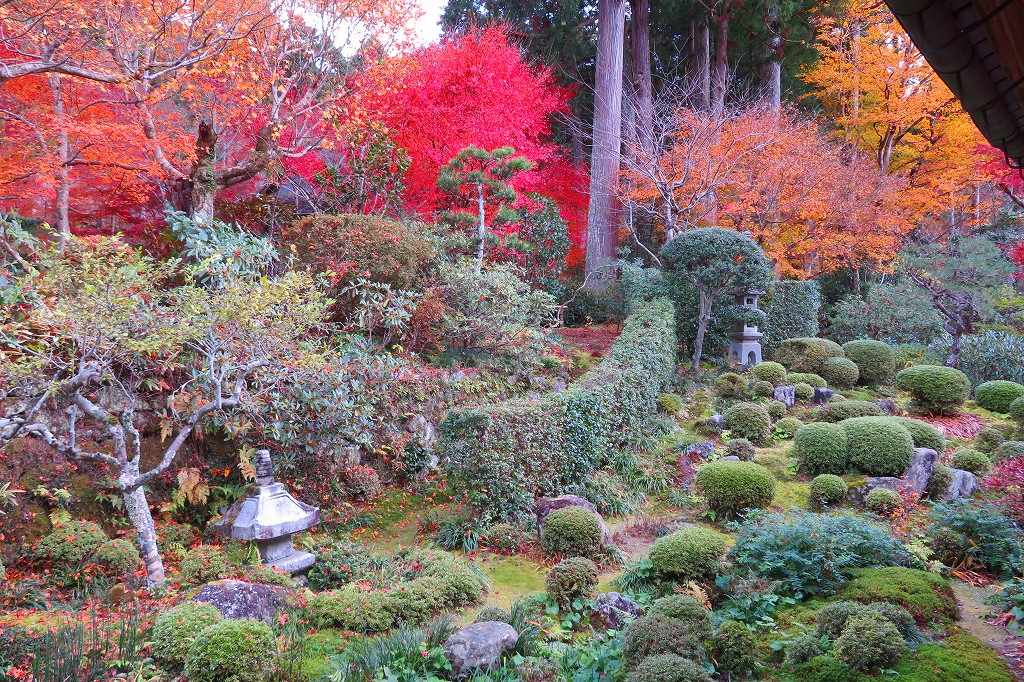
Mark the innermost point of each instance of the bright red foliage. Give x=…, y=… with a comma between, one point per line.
x=1008, y=478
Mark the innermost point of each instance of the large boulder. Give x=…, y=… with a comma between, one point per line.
x=546, y=505
x=964, y=484
x=922, y=465
x=786, y=395
x=479, y=646
x=821, y=395
x=703, y=449
x=239, y=599
x=887, y=406
x=614, y=611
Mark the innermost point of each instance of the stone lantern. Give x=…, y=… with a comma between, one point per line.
x=270, y=515
x=746, y=339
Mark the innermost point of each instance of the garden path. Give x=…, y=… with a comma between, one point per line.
x=972, y=619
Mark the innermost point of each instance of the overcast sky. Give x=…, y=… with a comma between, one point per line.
x=427, y=27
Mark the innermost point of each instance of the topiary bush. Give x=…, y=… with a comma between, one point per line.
x=690, y=553
x=70, y=542
x=732, y=488
x=840, y=372
x=119, y=557
x=827, y=491
x=876, y=360
x=975, y=461
x=882, y=501
x=940, y=481
x=807, y=354
x=742, y=448
x=848, y=409
x=763, y=389
x=988, y=439
x=878, y=446
x=787, y=427
x=821, y=448
x=750, y=421
x=176, y=629
x=203, y=564
x=351, y=609
x=935, y=389
x=803, y=392
x=571, y=532
x=776, y=409
x=684, y=608
x=669, y=668
x=1016, y=412
x=732, y=385
x=338, y=563
x=232, y=651
x=997, y=395
x=772, y=372
x=656, y=634
x=924, y=435
x=571, y=579
x=809, y=378
x=492, y=613
x=870, y=642
x=927, y=597
x=732, y=650
x=1008, y=449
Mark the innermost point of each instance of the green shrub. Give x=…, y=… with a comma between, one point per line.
x=1016, y=412
x=690, y=553
x=935, y=389
x=684, y=608
x=502, y=457
x=655, y=634
x=804, y=648
x=174, y=631
x=670, y=403
x=732, y=385
x=991, y=354
x=506, y=537
x=203, y=564
x=361, y=482
x=811, y=554
x=742, y=448
x=988, y=439
x=997, y=395
x=840, y=372
x=822, y=448
x=772, y=372
x=119, y=557
x=492, y=613
x=787, y=427
x=732, y=488
x=803, y=391
x=876, y=360
x=763, y=389
x=848, y=409
x=824, y=669
x=338, y=563
x=572, y=531
x=267, y=575
x=926, y=596
x=992, y=540
x=1008, y=449
x=878, y=446
x=809, y=378
x=832, y=617
x=351, y=609
x=975, y=461
x=959, y=658
x=611, y=494
x=827, y=492
x=70, y=542
x=750, y=421
x=732, y=649
x=416, y=601
x=669, y=668
x=807, y=354
x=571, y=579
x=883, y=501
x=870, y=642
x=791, y=308
x=776, y=410
x=459, y=585
x=924, y=435
x=232, y=651
x=939, y=484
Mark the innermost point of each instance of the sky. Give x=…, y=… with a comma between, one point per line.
x=427, y=27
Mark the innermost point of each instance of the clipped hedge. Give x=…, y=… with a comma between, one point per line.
x=936, y=389
x=750, y=421
x=690, y=553
x=572, y=532
x=924, y=435
x=809, y=378
x=176, y=629
x=878, y=446
x=840, y=372
x=807, y=354
x=822, y=448
x=232, y=651
x=770, y=371
x=876, y=360
x=502, y=457
x=731, y=488
x=848, y=409
x=997, y=395
x=827, y=491
x=975, y=461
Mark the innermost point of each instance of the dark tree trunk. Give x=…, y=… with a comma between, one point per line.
x=703, y=320
x=771, y=76
x=642, y=81
x=954, y=350
x=602, y=223
x=700, y=63
x=203, y=180
x=720, y=75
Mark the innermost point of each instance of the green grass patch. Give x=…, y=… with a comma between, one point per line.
x=510, y=578
x=928, y=597
x=960, y=658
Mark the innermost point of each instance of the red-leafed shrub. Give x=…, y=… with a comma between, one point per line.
x=1008, y=478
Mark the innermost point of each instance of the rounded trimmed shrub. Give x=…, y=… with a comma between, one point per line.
x=352, y=609
x=742, y=448
x=882, y=501
x=361, y=482
x=1016, y=412
x=807, y=354
x=572, y=531
x=203, y=564
x=690, y=553
x=939, y=484
x=731, y=385
x=763, y=389
x=804, y=648
x=732, y=649
x=232, y=651
x=988, y=439
x=669, y=668
x=878, y=446
x=655, y=634
x=809, y=378
x=1008, y=449
x=772, y=372
x=870, y=642
x=571, y=579
x=492, y=613
x=787, y=427
x=848, y=409
x=876, y=360
x=924, y=435
x=731, y=488
x=776, y=410
x=936, y=389
x=827, y=491
x=822, y=448
x=840, y=372
x=927, y=597
x=174, y=631
x=118, y=556
x=70, y=542
x=997, y=395
x=803, y=391
x=975, y=461
x=687, y=609
x=750, y=421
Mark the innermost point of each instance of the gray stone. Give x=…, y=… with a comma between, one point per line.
x=239, y=599
x=729, y=458
x=457, y=375
x=919, y=474
x=785, y=394
x=703, y=449
x=614, y=610
x=546, y=505
x=821, y=395
x=716, y=420
x=479, y=646
x=887, y=406
x=964, y=484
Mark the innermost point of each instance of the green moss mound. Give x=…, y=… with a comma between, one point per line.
x=975, y=461
x=959, y=658
x=773, y=372
x=936, y=389
x=840, y=372
x=176, y=629
x=232, y=651
x=822, y=448
x=848, y=409
x=669, y=668
x=997, y=395
x=924, y=435
x=809, y=378
x=572, y=531
x=827, y=492
x=883, y=501
x=731, y=488
x=750, y=421
x=878, y=446
x=876, y=360
x=807, y=354
x=690, y=553
x=824, y=669
x=571, y=579
x=928, y=597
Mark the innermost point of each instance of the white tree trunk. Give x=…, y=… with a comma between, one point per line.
x=137, y=509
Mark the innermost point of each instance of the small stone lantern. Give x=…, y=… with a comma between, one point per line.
x=270, y=515
x=746, y=339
